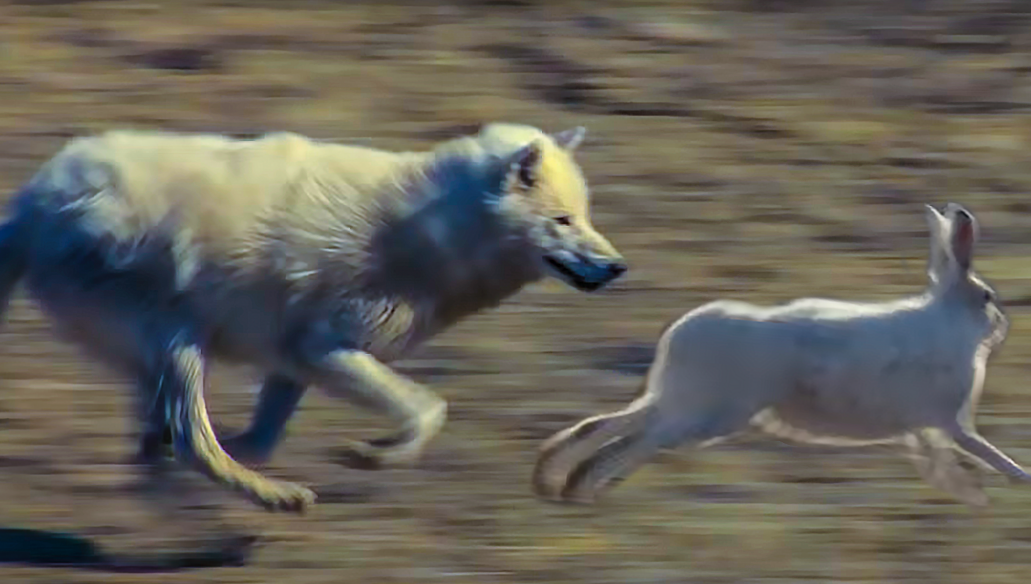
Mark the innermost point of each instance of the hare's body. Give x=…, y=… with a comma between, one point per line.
x=813, y=370
x=315, y=263
x=838, y=371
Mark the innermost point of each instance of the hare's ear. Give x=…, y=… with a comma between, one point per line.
x=939, y=227
x=935, y=220
x=962, y=235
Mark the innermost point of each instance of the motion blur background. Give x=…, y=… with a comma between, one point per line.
x=753, y=149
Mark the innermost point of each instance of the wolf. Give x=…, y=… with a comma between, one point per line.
x=316, y=263
x=907, y=373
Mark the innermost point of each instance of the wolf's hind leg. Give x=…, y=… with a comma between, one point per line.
x=155, y=442
x=361, y=378
x=179, y=386
x=277, y=402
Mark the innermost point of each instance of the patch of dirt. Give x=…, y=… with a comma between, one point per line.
x=760, y=150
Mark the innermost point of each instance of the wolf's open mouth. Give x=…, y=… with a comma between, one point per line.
x=573, y=277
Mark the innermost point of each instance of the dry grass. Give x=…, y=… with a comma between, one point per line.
x=752, y=149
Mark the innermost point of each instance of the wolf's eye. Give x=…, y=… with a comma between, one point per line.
x=988, y=296
x=565, y=220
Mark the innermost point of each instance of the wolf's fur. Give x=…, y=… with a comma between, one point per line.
x=317, y=263
x=906, y=372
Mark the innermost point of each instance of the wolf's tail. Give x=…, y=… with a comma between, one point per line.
x=13, y=257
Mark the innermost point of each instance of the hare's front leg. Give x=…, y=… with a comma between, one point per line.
x=967, y=438
x=932, y=453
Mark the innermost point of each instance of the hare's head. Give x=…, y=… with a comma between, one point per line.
x=954, y=234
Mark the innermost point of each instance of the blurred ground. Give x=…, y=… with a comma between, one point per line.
x=755, y=149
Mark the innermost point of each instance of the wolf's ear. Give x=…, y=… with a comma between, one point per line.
x=525, y=164
x=571, y=139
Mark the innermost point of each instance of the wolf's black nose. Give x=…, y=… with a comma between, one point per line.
x=617, y=269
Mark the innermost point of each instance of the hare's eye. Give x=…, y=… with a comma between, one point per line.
x=565, y=220
x=988, y=296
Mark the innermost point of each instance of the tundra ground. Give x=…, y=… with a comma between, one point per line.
x=748, y=149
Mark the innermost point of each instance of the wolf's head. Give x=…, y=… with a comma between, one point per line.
x=544, y=201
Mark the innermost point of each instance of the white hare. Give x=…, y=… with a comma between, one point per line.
x=906, y=372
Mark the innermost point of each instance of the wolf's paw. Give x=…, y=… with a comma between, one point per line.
x=381, y=453
x=283, y=496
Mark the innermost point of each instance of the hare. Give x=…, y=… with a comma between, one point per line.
x=906, y=373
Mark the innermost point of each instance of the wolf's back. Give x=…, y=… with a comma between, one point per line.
x=128, y=183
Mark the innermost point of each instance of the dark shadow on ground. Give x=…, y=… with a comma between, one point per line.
x=31, y=547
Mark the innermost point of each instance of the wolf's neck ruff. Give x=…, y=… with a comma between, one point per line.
x=449, y=255
x=422, y=244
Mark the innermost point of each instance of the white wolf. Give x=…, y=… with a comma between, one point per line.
x=907, y=372
x=316, y=263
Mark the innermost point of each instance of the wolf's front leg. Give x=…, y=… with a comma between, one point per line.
x=360, y=377
x=278, y=400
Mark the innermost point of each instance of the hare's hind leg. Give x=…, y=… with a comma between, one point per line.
x=684, y=402
x=560, y=454
x=617, y=459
